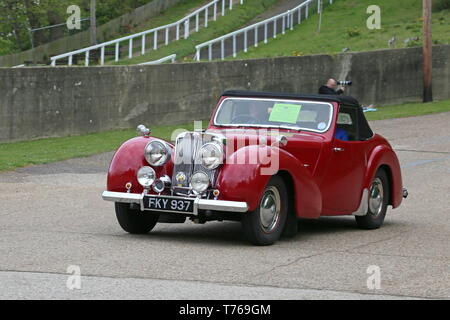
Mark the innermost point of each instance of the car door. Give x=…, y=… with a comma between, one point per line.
x=342, y=185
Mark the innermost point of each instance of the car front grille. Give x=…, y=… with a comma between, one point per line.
x=186, y=150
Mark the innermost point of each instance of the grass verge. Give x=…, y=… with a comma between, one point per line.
x=21, y=154
x=26, y=153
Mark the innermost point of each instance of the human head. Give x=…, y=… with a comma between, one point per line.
x=332, y=83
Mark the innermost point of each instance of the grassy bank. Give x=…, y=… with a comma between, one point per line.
x=344, y=26
x=234, y=19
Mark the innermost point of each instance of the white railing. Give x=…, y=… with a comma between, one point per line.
x=287, y=22
x=172, y=58
x=208, y=11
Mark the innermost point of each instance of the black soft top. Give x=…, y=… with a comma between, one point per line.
x=363, y=128
x=347, y=100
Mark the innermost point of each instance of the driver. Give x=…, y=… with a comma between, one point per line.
x=256, y=111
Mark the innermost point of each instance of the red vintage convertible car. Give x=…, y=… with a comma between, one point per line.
x=265, y=160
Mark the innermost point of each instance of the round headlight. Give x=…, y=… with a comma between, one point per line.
x=157, y=153
x=146, y=176
x=211, y=156
x=199, y=182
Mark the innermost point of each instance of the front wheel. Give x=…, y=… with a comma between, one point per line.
x=378, y=202
x=265, y=225
x=133, y=220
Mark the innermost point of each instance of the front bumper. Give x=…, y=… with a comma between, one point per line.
x=199, y=204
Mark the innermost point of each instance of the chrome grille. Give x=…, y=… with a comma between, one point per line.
x=186, y=150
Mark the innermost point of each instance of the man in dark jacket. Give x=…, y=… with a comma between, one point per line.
x=330, y=88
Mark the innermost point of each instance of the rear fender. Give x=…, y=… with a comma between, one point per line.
x=384, y=156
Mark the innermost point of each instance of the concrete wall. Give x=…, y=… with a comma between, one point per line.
x=42, y=102
x=105, y=32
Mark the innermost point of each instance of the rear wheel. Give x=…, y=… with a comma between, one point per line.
x=265, y=225
x=135, y=221
x=378, y=202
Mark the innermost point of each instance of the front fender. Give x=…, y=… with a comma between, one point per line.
x=384, y=156
x=127, y=160
x=248, y=170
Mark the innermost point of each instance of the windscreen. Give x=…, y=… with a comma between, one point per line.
x=308, y=115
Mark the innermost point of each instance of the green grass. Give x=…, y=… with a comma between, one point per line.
x=344, y=26
x=172, y=14
x=21, y=154
x=408, y=110
x=234, y=19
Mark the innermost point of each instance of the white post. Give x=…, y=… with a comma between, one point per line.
x=206, y=17
x=234, y=46
x=275, y=28
x=197, y=18
x=318, y=6
x=292, y=20
x=231, y=4
x=245, y=41
x=299, y=15
x=143, y=44
x=222, y=49
x=223, y=8
x=186, y=29
x=210, y=52
x=256, y=36
x=178, y=32
x=167, y=36
x=307, y=11
x=130, y=48
x=197, y=55
x=283, y=26
x=116, y=58
x=86, y=59
x=53, y=62
x=70, y=60
x=102, y=56
x=265, y=33
x=155, y=40
x=215, y=11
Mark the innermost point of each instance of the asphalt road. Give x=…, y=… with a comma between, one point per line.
x=52, y=216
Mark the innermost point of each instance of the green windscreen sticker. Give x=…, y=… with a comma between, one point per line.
x=284, y=112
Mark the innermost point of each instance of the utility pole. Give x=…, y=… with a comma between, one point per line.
x=93, y=27
x=427, y=53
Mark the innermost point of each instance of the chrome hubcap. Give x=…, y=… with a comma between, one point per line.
x=270, y=208
x=376, y=197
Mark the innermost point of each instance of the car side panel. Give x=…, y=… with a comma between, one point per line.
x=244, y=179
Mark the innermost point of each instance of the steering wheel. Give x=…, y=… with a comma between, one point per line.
x=244, y=119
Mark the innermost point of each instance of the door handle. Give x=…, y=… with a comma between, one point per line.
x=338, y=149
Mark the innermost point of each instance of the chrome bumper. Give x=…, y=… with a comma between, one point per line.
x=199, y=204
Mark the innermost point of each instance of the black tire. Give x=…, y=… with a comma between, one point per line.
x=253, y=222
x=374, y=220
x=135, y=221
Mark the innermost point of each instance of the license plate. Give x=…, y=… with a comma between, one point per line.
x=170, y=204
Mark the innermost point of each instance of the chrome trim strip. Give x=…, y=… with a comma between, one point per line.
x=275, y=126
x=222, y=205
x=202, y=204
x=122, y=197
x=364, y=205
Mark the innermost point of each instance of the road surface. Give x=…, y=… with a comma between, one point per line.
x=52, y=217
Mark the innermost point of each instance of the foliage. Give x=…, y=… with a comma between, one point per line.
x=18, y=16
x=440, y=5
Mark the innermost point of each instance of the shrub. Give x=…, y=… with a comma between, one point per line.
x=439, y=5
